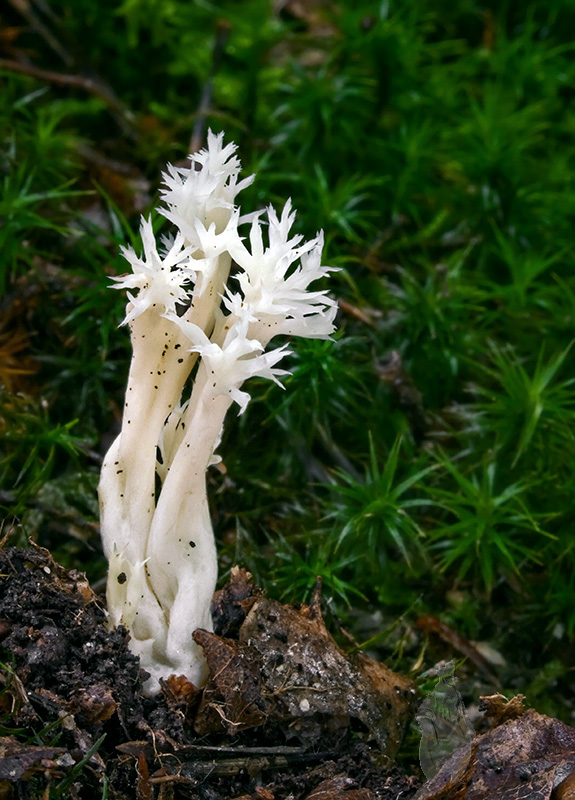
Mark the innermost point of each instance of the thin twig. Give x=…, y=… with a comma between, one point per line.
x=89, y=85
x=24, y=7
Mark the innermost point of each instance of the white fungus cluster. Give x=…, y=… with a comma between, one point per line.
x=155, y=521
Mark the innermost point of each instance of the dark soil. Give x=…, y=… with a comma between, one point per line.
x=286, y=714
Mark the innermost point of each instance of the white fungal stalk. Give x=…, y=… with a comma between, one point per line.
x=155, y=520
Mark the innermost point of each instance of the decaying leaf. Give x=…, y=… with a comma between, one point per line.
x=18, y=760
x=526, y=757
x=340, y=788
x=233, y=698
x=287, y=670
x=498, y=709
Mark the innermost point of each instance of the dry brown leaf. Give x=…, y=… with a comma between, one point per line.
x=524, y=758
x=233, y=697
x=288, y=670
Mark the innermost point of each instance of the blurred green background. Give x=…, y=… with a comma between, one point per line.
x=422, y=463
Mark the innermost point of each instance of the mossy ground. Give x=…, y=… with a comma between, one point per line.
x=422, y=462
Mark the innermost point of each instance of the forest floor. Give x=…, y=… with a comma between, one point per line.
x=286, y=713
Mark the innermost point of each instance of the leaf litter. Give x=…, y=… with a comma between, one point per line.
x=286, y=713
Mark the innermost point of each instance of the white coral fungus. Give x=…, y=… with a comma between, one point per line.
x=155, y=521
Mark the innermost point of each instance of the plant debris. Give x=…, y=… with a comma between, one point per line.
x=286, y=713
x=525, y=756
x=286, y=668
